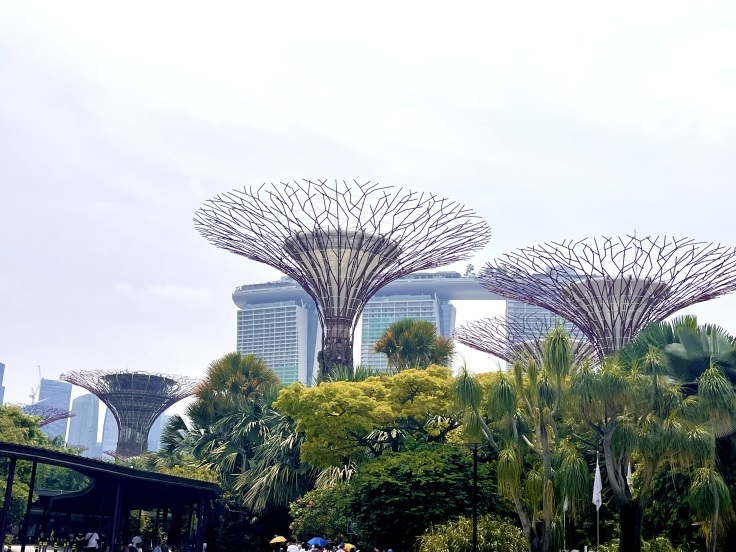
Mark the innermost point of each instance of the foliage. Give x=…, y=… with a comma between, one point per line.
x=349, y=421
x=322, y=512
x=397, y=496
x=411, y=343
x=494, y=535
x=659, y=544
x=20, y=428
x=520, y=414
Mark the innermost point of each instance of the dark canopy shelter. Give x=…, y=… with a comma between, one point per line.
x=114, y=491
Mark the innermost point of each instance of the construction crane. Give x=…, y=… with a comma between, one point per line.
x=34, y=390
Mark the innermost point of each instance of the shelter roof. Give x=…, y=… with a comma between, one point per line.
x=140, y=489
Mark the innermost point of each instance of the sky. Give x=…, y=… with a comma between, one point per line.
x=551, y=120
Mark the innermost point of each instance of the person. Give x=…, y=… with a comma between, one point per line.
x=292, y=547
x=91, y=543
x=157, y=548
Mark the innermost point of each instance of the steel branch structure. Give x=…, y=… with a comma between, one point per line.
x=341, y=241
x=135, y=399
x=47, y=414
x=611, y=288
x=514, y=338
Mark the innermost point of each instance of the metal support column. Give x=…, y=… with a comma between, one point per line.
x=115, y=517
x=27, y=517
x=200, y=525
x=8, y=494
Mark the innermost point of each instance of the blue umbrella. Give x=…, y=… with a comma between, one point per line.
x=319, y=541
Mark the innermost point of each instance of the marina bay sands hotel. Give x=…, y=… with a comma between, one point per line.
x=278, y=320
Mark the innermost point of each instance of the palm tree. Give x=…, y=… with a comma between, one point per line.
x=411, y=343
x=642, y=417
x=228, y=417
x=520, y=423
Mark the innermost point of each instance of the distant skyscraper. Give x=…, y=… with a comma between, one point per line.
x=109, y=434
x=2, y=387
x=55, y=394
x=154, y=436
x=83, y=426
x=278, y=320
x=381, y=312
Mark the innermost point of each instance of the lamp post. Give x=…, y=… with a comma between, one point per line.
x=474, y=448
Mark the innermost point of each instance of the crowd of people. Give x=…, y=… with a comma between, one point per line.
x=341, y=547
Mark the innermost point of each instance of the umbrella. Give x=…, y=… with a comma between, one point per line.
x=319, y=541
x=276, y=540
x=349, y=546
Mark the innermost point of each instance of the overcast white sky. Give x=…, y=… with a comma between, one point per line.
x=552, y=120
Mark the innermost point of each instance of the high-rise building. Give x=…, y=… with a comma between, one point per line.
x=83, y=426
x=2, y=387
x=154, y=436
x=55, y=394
x=279, y=334
x=109, y=435
x=381, y=312
x=278, y=320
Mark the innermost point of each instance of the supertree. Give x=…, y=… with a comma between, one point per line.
x=512, y=338
x=135, y=399
x=611, y=288
x=341, y=242
x=47, y=414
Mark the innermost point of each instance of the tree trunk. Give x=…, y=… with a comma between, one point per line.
x=630, y=522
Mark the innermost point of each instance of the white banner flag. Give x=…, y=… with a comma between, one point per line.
x=597, y=486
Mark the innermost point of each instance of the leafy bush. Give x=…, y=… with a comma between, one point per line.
x=660, y=544
x=494, y=535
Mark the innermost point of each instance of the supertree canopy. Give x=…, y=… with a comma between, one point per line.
x=341, y=242
x=135, y=399
x=611, y=288
x=514, y=338
x=47, y=414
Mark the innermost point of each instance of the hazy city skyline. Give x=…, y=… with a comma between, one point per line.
x=558, y=122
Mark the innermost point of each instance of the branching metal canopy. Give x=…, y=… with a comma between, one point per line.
x=341, y=241
x=48, y=414
x=611, y=288
x=135, y=399
x=514, y=338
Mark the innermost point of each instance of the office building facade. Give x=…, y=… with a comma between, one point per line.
x=279, y=333
x=380, y=312
x=83, y=425
x=56, y=394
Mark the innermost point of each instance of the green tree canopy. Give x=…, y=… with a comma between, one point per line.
x=399, y=495
x=351, y=420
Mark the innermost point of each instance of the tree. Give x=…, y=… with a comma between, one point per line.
x=411, y=343
x=322, y=512
x=399, y=495
x=228, y=414
x=702, y=358
x=345, y=422
x=519, y=415
x=229, y=420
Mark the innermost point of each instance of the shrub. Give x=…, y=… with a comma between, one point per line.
x=660, y=544
x=494, y=535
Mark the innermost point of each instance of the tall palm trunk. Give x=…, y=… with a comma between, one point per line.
x=716, y=496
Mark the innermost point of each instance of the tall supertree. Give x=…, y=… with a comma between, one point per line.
x=512, y=338
x=47, y=414
x=341, y=242
x=135, y=399
x=611, y=288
